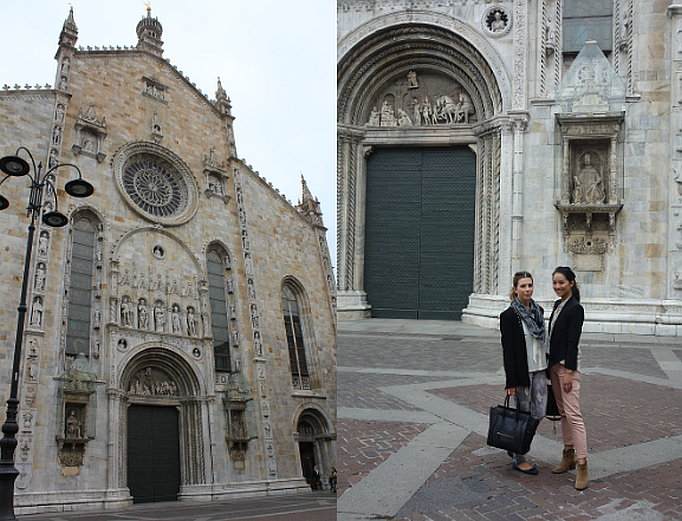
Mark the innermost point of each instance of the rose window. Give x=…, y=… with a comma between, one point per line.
x=156, y=183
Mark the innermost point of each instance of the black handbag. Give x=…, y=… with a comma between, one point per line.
x=511, y=429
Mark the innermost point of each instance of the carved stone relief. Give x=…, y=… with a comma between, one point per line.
x=496, y=21
x=152, y=382
x=421, y=100
x=90, y=134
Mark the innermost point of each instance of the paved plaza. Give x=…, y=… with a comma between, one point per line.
x=312, y=506
x=413, y=417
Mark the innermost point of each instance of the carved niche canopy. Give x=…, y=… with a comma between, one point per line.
x=90, y=134
x=589, y=101
x=420, y=99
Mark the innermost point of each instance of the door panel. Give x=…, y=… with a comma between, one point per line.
x=420, y=231
x=153, y=453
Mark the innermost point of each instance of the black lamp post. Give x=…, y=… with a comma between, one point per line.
x=15, y=166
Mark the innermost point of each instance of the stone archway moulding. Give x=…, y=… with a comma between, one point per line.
x=444, y=21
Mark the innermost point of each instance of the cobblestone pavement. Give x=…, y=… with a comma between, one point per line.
x=313, y=506
x=412, y=422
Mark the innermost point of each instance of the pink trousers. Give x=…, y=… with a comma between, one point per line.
x=572, y=424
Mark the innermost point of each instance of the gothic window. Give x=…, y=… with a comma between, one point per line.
x=80, y=287
x=587, y=20
x=215, y=263
x=295, y=342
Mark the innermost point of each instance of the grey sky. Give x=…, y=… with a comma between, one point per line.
x=276, y=60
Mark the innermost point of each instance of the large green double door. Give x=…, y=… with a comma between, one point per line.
x=153, y=453
x=419, y=231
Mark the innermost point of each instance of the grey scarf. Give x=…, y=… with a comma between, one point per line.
x=532, y=317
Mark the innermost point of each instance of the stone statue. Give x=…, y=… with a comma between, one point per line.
x=43, y=242
x=374, y=118
x=37, y=312
x=175, y=320
x=159, y=317
x=403, y=119
x=125, y=313
x=142, y=315
x=498, y=24
x=74, y=428
x=40, y=277
x=412, y=80
x=588, y=184
x=387, y=115
x=191, y=322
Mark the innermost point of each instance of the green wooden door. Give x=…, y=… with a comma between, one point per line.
x=419, y=227
x=153, y=453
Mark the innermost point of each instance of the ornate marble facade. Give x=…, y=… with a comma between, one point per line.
x=164, y=290
x=576, y=165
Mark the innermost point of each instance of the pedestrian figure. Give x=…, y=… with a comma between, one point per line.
x=565, y=327
x=524, y=348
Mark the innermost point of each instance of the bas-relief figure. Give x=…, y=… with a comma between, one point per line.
x=588, y=184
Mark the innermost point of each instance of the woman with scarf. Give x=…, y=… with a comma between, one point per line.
x=524, y=347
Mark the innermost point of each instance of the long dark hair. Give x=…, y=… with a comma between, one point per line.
x=570, y=277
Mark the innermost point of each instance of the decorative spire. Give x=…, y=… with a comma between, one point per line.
x=149, y=33
x=309, y=205
x=69, y=33
x=222, y=101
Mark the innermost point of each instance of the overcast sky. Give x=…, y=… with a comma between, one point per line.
x=276, y=60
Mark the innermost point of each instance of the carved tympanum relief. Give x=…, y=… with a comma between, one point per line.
x=421, y=100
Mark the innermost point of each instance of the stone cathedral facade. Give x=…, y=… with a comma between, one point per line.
x=180, y=340
x=477, y=138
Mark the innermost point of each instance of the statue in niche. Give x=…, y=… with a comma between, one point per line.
x=257, y=344
x=57, y=135
x=142, y=314
x=37, y=312
x=43, y=243
x=40, y=277
x=191, y=322
x=251, y=290
x=412, y=80
x=97, y=319
x=588, y=184
x=215, y=186
x=59, y=114
x=54, y=158
x=175, y=320
x=159, y=317
x=125, y=313
x=254, y=316
x=74, y=427
x=497, y=24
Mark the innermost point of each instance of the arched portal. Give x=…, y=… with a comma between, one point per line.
x=315, y=446
x=424, y=144
x=162, y=425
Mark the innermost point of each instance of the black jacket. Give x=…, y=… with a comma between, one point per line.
x=565, y=335
x=514, y=349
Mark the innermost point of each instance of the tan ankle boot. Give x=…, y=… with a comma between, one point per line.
x=581, y=480
x=568, y=462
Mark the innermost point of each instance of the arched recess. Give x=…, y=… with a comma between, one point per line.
x=384, y=52
x=316, y=443
x=159, y=376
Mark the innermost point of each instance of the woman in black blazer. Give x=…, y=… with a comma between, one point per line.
x=524, y=348
x=565, y=327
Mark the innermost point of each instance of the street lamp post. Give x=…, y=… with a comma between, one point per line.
x=15, y=166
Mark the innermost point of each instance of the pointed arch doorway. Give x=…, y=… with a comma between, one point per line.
x=315, y=446
x=163, y=425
